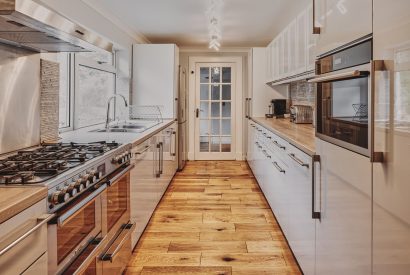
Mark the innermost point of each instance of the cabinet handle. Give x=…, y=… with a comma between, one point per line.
x=279, y=145
x=298, y=161
x=278, y=167
x=315, y=215
x=259, y=146
x=246, y=107
x=42, y=221
x=315, y=30
x=158, y=172
x=173, y=144
x=266, y=154
x=378, y=66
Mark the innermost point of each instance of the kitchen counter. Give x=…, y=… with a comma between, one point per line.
x=300, y=135
x=13, y=200
x=85, y=136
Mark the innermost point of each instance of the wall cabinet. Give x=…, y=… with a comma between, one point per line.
x=155, y=165
x=292, y=53
x=284, y=174
x=341, y=22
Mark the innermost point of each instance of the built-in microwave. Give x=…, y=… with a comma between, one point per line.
x=344, y=97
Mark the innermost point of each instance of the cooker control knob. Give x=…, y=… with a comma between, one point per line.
x=79, y=185
x=98, y=174
x=59, y=197
x=92, y=177
x=85, y=181
x=70, y=189
x=116, y=160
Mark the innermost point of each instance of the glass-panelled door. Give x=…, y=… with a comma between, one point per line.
x=215, y=111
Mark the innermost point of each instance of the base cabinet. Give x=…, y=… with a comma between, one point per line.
x=284, y=174
x=156, y=163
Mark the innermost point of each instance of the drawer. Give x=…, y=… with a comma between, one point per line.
x=39, y=267
x=27, y=232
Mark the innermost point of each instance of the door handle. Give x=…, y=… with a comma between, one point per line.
x=197, y=112
x=315, y=159
x=315, y=30
x=379, y=66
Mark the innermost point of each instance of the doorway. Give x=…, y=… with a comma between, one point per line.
x=215, y=93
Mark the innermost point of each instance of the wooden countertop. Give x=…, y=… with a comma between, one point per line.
x=300, y=135
x=13, y=200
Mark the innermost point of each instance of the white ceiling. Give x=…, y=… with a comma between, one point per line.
x=245, y=23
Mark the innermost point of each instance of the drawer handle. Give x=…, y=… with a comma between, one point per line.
x=266, y=154
x=278, y=167
x=279, y=145
x=126, y=231
x=42, y=221
x=298, y=161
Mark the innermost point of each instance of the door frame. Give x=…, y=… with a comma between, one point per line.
x=237, y=112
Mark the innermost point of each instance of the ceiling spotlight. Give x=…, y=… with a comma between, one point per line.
x=214, y=28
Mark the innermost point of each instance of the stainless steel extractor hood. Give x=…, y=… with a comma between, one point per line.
x=25, y=23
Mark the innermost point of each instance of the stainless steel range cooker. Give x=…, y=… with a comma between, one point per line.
x=88, y=192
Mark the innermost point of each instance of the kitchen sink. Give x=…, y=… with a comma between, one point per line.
x=126, y=127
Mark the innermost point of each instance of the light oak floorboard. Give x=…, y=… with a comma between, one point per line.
x=213, y=220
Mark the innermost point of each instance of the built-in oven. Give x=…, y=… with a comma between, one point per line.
x=74, y=227
x=116, y=206
x=344, y=97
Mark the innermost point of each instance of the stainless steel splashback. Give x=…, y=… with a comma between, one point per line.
x=28, y=24
x=19, y=99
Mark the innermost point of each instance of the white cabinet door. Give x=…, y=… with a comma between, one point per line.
x=342, y=22
x=343, y=234
x=391, y=188
x=269, y=64
x=281, y=55
x=144, y=194
x=301, y=43
x=293, y=40
x=286, y=52
x=275, y=59
x=311, y=40
x=301, y=225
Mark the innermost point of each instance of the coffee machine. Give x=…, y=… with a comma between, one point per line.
x=277, y=108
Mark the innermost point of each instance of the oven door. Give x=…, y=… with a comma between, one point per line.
x=88, y=261
x=116, y=204
x=343, y=108
x=74, y=227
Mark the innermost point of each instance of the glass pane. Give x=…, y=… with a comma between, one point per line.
x=226, y=109
x=101, y=57
x=215, y=127
x=226, y=75
x=226, y=92
x=204, y=112
x=216, y=74
x=215, y=145
x=117, y=196
x=216, y=92
x=226, y=127
x=204, y=92
x=226, y=144
x=204, y=127
x=204, y=75
x=94, y=89
x=216, y=109
x=204, y=144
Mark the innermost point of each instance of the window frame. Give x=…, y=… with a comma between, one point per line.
x=74, y=62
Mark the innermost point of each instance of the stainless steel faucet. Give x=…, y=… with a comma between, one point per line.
x=107, y=122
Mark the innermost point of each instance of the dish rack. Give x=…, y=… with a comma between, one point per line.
x=152, y=112
x=361, y=112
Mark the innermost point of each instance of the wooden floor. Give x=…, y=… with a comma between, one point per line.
x=213, y=220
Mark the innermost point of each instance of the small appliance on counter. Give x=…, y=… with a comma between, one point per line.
x=277, y=108
x=301, y=114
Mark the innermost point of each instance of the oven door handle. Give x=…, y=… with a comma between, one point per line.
x=67, y=215
x=112, y=181
x=338, y=76
x=41, y=221
x=111, y=252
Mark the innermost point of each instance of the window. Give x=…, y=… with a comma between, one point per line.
x=95, y=79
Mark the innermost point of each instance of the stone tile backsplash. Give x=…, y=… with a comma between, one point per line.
x=303, y=93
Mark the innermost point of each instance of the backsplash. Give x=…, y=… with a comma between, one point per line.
x=49, y=87
x=303, y=93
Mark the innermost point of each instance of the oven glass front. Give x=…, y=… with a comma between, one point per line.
x=73, y=231
x=343, y=112
x=117, y=200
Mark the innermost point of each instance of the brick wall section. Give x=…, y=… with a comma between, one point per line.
x=303, y=93
x=50, y=85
